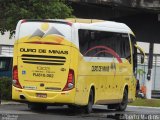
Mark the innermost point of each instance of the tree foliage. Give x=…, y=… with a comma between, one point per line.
x=11, y=11
x=5, y=88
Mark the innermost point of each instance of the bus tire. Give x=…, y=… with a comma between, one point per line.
x=37, y=107
x=123, y=105
x=88, y=107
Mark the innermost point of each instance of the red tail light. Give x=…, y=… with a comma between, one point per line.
x=70, y=81
x=69, y=23
x=15, y=80
x=23, y=21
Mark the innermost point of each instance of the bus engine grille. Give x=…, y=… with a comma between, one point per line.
x=43, y=59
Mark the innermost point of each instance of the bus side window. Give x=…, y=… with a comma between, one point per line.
x=124, y=44
x=118, y=42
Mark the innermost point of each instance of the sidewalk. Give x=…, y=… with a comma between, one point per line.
x=144, y=107
x=128, y=106
x=10, y=103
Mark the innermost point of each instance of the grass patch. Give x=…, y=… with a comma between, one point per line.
x=146, y=102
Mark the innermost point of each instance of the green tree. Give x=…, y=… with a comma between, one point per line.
x=5, y=88
x=140, y=73
x=11, y=11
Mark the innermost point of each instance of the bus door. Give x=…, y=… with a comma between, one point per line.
x=124, y=67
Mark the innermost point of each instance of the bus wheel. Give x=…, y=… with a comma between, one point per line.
x=123, y=105
x=88, y=107
x=37, y=107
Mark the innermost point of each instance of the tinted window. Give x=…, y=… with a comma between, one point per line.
x=5, y=63
x=103, y=44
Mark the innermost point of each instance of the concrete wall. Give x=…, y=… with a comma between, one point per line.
x=148, y=4
x=145, y=26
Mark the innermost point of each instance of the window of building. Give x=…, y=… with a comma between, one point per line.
x=5, y=63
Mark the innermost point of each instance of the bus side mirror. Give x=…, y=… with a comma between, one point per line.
x=142, y=53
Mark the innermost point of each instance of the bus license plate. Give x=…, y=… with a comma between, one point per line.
x=41, y=95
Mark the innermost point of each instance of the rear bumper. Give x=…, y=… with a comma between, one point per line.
x=65, y=97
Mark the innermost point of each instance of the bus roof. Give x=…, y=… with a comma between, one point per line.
x=94, y=22
x=80, y=20
x=87, y=22
x=100, y=23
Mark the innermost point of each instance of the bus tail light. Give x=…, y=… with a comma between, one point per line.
x=15, y=80
x=23, y=21
x=70, y=81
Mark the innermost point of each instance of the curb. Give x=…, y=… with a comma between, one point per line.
x=144, y=107
x=10, y=103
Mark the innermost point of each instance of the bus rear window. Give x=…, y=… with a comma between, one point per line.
x=42, y=29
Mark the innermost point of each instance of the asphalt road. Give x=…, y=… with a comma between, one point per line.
x=21, y=112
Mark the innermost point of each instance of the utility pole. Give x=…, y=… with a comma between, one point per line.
x=149, y=74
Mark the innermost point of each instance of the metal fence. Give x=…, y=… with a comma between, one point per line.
x=155, y=71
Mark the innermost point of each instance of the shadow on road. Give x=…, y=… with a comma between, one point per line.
x=97, y=113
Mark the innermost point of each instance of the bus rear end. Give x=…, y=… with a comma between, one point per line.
x=41, y=63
